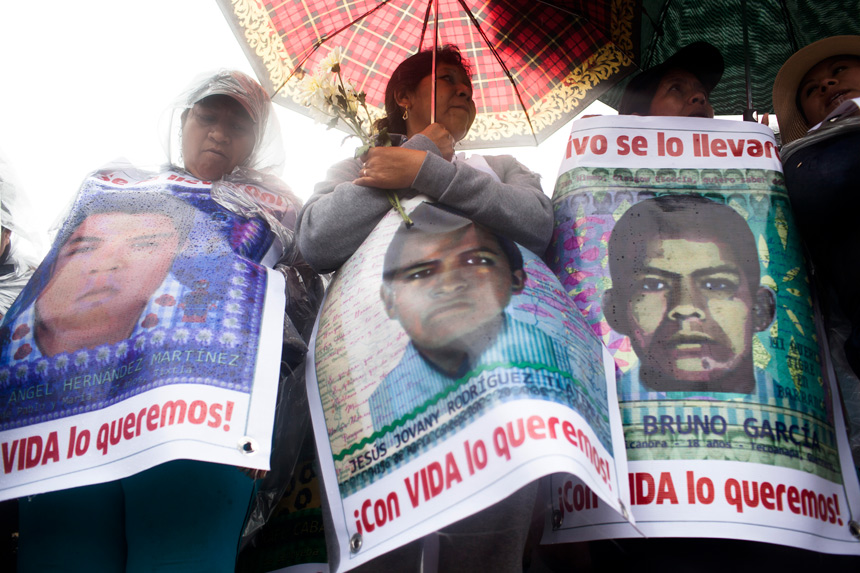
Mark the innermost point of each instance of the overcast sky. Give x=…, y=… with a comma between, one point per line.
x=86, y=83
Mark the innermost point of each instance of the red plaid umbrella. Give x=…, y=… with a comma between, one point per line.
x=535, y=64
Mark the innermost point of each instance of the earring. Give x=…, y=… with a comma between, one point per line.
x=405, y=113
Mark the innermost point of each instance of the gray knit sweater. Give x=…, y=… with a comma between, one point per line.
x=340, y=215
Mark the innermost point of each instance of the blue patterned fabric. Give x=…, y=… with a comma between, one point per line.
x=415, y=382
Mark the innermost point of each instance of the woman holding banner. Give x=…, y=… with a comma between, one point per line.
x=182, y=514
x=495, y=191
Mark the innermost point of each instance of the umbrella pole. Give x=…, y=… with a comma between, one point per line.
x=748, y=112
x=435, y=4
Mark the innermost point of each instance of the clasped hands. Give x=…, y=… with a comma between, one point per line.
x=397, y=167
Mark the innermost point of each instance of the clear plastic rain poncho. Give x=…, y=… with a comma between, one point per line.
x=261, y=167
x=304, y=287
x=26, y=246
x=268, y=154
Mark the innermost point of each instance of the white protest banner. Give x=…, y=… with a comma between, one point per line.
x=675, y=238
x=149, y=333
x=448, y=370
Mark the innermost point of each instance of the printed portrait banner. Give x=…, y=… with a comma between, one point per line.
x=148, y=334
x=450, y=370
x=675, y=239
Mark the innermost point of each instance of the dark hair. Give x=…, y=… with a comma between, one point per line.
x=680, y=216
x=432, y=219
x=406, y=78
x=181, y=214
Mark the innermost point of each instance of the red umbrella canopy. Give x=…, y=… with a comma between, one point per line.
x=535, y=64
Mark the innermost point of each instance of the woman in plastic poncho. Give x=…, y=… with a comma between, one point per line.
x=182, y=515
x=20, y=245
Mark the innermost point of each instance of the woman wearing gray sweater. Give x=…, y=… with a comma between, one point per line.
x=494, y=191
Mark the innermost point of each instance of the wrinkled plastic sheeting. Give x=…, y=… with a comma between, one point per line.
x=292, y=420
x=268, y=154
x=838, y=329
x=304, y=290
x=229, y=193
x=16, y=214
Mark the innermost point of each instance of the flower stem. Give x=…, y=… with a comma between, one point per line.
x=395, y=202
x=340, y=109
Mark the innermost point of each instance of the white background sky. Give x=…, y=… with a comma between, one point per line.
x=85, y=83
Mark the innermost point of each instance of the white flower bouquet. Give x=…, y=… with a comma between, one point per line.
x=332, y=99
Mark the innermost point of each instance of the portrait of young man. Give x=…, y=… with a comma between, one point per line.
x=686, y=291
x=448, y=281
x=113, y=262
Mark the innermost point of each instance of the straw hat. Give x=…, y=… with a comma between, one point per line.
x=792, y=124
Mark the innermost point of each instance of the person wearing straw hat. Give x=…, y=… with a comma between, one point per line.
x=814, y=82
x=819, y=161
